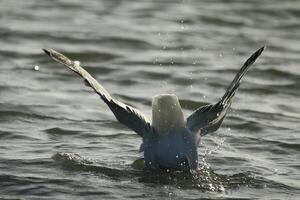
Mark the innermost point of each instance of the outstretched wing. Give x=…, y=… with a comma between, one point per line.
x=208, y=118
x=127, y=115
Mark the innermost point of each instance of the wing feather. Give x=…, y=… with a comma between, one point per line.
x=209, y=118
x=127, y=115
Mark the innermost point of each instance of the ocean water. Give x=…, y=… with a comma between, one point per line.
x=58, y=140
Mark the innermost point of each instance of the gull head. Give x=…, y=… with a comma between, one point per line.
x=167, y=114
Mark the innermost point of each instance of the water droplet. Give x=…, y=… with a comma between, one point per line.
x=76, y=62
x=176, y=156
x=36, y=68
x=221, y=188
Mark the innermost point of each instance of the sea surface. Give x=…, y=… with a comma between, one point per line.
x=58, y=140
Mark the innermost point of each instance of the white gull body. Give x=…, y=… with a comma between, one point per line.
x=169, y=141
x=171, y=144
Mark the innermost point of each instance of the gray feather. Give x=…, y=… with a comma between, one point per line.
x=209, y=118
x=127, y=115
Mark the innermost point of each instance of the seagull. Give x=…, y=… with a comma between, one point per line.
x=170, y=140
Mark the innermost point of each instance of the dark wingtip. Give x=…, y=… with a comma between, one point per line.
x=47, y=52
x=259, y=51
x=254, y=56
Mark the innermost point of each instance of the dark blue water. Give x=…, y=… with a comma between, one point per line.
x=59, y=141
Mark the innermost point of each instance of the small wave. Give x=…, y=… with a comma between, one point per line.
x=60, y=131
x=287, y=147
x=9, y=114
x=75, y=162
x=127, y=42
x=204, y=178
x=23, y=185
x=155, y=75
x=5, y=135
x=244, y=124
x=134, y=99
